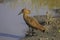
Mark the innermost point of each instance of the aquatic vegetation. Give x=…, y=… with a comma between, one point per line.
x=39, y=3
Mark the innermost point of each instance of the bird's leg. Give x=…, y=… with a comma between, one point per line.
x=32, y=32
x=29, y=32
x=29, y=29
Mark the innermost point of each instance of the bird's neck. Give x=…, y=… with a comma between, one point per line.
x=25, y=14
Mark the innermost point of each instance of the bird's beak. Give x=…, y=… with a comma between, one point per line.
x=20, y=13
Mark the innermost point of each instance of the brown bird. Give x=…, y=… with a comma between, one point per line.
x=30, y=21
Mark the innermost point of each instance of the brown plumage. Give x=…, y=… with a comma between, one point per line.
x=30, y=21
x=33, y=23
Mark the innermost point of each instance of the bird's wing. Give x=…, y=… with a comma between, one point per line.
x=33, y=22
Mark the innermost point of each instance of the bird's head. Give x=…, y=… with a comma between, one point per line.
x=24, y=11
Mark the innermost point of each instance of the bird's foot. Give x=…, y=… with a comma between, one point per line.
x=30, y=34
x=33, y=34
